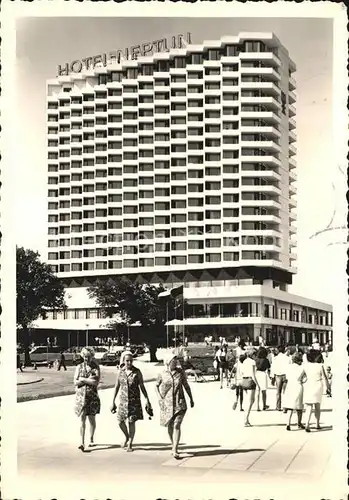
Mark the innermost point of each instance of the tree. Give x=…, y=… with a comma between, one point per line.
x=38, y=290
x=134, y=303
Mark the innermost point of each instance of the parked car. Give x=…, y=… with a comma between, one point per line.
x=110, y=358
x=46, y=354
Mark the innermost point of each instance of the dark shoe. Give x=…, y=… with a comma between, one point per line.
x=82, y=448
x=241, y=409
x=307, y=429
x=266, y=408
x=284, y=410
x=288, y=427
x=301, y=426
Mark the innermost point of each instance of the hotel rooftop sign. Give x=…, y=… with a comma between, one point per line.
x=130, y=53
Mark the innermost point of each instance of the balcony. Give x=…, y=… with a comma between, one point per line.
x=292, y=98
x=270, y=72
x=292, y=136
x=292, y=124
x=269, y=102
x=261, y=218
x=291, y=111
x=292, y=162
x=268, y=159
x=261, y=204
x=263, y=174
x=293, y=176
x=292, y=150
x=260, y=129
x=260, y=145
x=261, y=188
x=292, y=84
x=267, y=116
x=292, y=190
x=260, y=56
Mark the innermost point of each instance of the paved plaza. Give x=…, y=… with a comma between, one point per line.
x=220, y=457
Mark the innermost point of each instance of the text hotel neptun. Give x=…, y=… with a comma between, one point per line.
x=129, y=53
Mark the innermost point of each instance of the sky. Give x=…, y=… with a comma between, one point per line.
x=44, y=43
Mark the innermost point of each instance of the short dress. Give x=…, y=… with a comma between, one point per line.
x=130, y=406
x=314, y=384
x=222, y=361
x=87, y=401
x=293, y=396
x=173, y=403
x=262, y=365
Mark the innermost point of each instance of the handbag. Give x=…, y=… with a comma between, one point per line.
x=248, y=383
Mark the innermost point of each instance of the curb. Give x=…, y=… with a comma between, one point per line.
x=31, y=382
x=36, y=397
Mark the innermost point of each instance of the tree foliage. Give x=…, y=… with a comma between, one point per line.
x=135, y=303
x=38, y=289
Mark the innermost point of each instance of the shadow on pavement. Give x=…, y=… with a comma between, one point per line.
x=220, y=451
x=323, y=429
x=167, y=446
x=100, y=447
x=269, y=425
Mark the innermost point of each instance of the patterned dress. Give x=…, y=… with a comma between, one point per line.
x=87, y=401
x=130, y=407
x=173, y=402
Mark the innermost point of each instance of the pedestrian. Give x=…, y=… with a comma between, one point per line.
x=329, y=378
x=278, y=373
x=61, y=362
x=241, y=348
x=170, y=386
x=262, y=375
x=215, y=363
x=239, y=392
x=87, y=402
x=129, y=381
x=293, y=397
x=19, y=364
x=249, y=382
x=222, y=358
x=314, y=378
x=189, y=368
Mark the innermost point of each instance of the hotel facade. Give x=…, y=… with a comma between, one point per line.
x=180, y=168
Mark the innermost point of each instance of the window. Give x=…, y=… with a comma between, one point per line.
x=213, y=257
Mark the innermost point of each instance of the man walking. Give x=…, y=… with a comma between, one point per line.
x=278, y=373
x=62, y=362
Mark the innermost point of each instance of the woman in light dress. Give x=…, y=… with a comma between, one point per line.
x=129, y=380
x=262, y=375
x=293, y=397
x=249, y=382
x=170, y=387
x=222, y=358
x=87, y=402
x=239, y=392
x=314, y=378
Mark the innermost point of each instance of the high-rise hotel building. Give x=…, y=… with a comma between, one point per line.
x=180, y=168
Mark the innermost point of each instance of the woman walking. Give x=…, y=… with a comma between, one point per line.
x=293, y=397
x=223, y=365
x=173, y=406
x=239, y=392
x=87, y=402
x=215, y=363
x=262, y=375
x=249, y=382
x=314, y=378
x=129, y=381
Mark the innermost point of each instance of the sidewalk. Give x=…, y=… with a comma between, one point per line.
x=220, y=455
